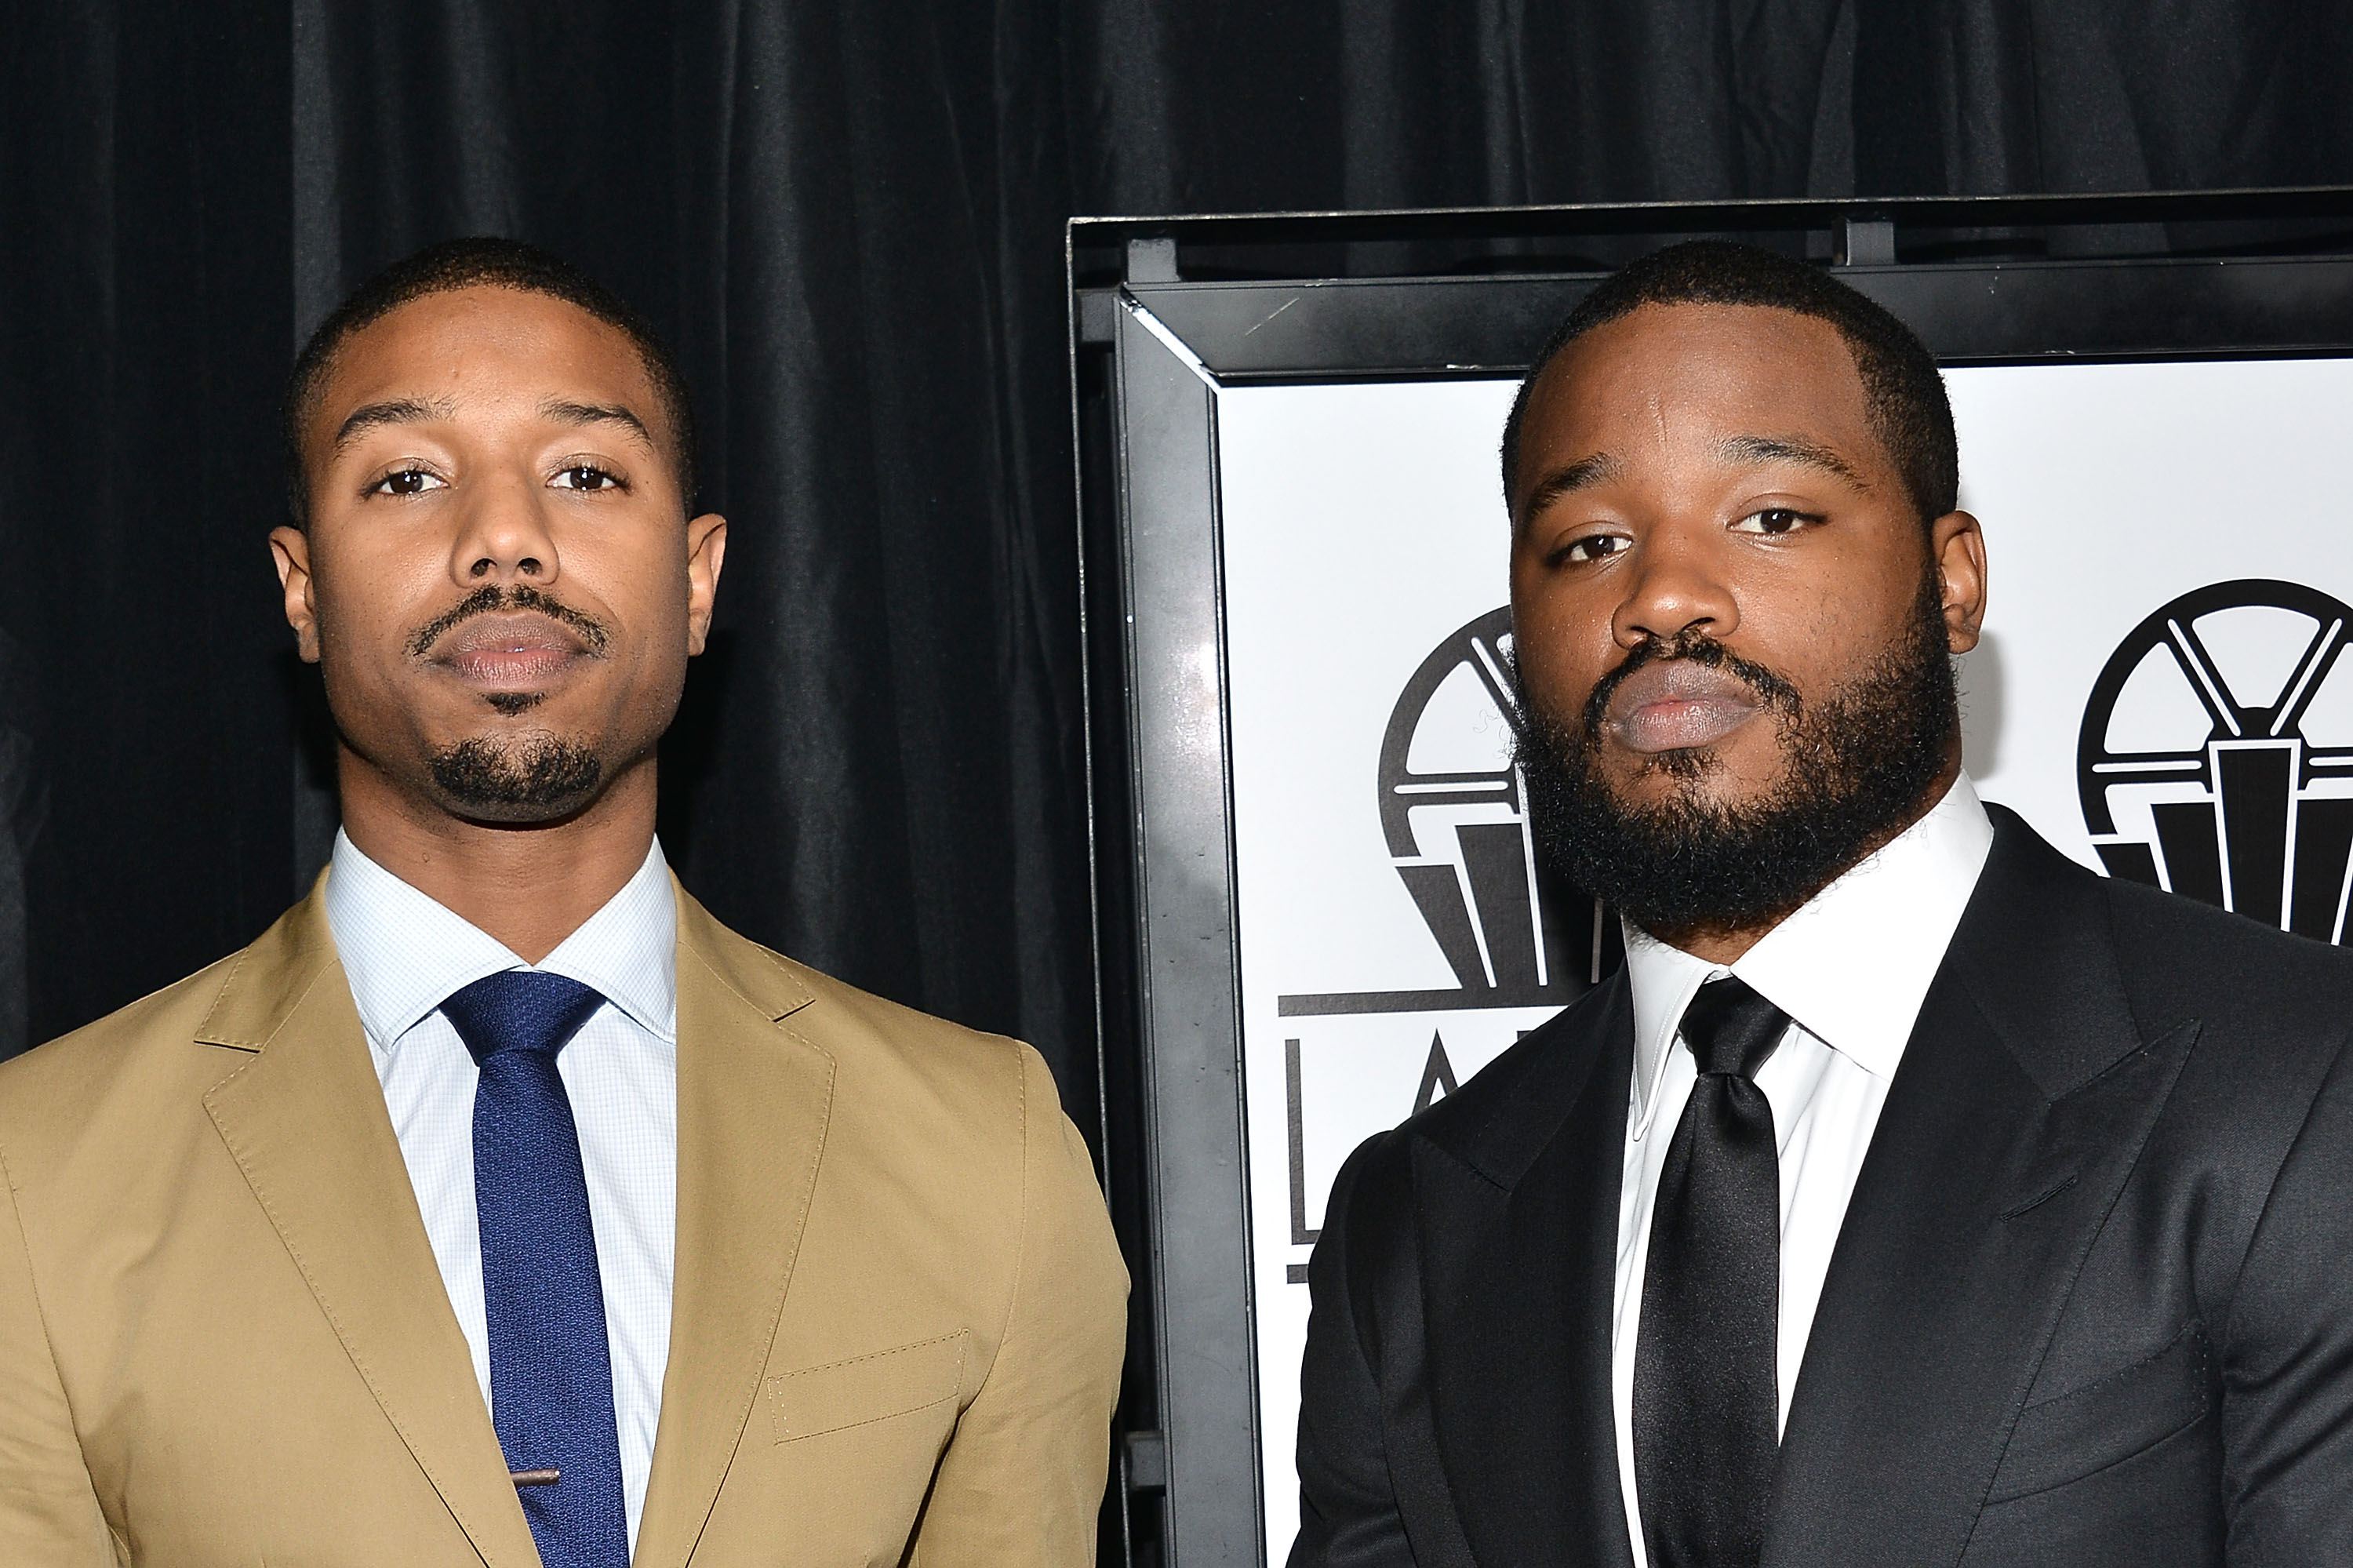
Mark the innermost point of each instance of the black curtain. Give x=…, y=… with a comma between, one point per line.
x=847, y=217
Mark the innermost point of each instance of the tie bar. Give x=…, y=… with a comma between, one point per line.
x=534, y=1478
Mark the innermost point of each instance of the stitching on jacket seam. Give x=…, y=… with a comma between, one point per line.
x=732, y=990
x=335, y=1319
x=866, y=1421
x=317, y=973
x=785, y=966
x=775, y=1393
x=768, y=1338
x=1021, y=1243
x=227, y=980
x=875, y=1356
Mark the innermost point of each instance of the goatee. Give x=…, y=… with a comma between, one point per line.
x=1856, y=767
x=532, y=779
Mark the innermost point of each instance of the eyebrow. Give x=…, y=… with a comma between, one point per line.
x=565, y=412
x=1583, y=474
x=391, y=411
x=1792, y=450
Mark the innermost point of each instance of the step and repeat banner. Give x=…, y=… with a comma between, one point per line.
x=2161, y=692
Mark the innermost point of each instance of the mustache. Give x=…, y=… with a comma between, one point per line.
x=1857, y=762
x=1773, y=690
x=491, y=600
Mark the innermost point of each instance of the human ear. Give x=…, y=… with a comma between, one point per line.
x=1957, y=547
x=706, y=551
x=292, y=548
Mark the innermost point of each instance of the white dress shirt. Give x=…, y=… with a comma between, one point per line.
x=1851, y=968
x=402, y=953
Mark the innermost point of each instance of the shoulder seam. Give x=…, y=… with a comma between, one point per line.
x=1021, y=1234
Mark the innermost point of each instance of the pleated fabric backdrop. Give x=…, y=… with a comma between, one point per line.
x=849, y=218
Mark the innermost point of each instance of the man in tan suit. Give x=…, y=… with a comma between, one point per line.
x=498, y=1205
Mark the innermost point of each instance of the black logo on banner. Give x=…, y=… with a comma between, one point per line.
x=2215, y=757
x=1454, y=812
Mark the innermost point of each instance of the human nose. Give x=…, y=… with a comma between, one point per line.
x=1673, y=589
x=503, y=537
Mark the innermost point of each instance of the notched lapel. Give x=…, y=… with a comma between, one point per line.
x=1518, y=1240
x=306, y=1122
x=2022, y=1103
x=753, y=1099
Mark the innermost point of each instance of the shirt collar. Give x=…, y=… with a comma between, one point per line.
x=403, y=952
x=1851, y=967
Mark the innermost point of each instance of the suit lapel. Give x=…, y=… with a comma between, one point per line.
x=753, y=1099
x=305, y=1120
x=2022, y=1102
x=1519, y=1241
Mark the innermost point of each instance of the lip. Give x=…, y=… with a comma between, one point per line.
x=520, y=651
x=1676, y=705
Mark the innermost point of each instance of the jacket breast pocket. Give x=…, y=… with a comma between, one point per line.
x=2107, y=1421
x=866, y=1389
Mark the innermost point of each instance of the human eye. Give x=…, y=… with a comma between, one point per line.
x=411, y=479
x=586, y=476
x=1775, y=521
x=1589, y=548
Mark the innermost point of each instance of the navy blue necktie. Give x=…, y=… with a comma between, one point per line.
x=551, y=1369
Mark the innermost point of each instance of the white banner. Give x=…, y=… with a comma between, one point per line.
x=2169, y=557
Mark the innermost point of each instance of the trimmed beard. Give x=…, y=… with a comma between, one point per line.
x=1856, y=769
x=529, y=780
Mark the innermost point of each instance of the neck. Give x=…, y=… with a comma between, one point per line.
x=1725, y=944
x=529, y=884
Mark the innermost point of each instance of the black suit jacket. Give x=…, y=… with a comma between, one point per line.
x=2092, y=1304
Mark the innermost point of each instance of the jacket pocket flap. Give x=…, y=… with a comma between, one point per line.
x=2103, y=1423
x=821, y=1399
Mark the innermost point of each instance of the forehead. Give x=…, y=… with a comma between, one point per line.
x=483, y=350
x=1664, y=374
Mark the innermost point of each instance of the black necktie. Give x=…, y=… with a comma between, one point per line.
x=1706, y=1397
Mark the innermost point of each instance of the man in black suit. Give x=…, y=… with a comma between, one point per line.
x=1913, y=1195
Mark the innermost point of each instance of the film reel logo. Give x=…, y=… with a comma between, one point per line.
x=1454, y=812
x=2216, y=753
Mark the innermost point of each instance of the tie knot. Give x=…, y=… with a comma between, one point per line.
x=520, y=1010
x=1730, y=1029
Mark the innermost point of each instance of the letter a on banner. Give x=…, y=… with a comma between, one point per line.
x=1437, y=1076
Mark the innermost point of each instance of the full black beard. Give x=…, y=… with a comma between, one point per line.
x=1855, y=768
x=526, y=781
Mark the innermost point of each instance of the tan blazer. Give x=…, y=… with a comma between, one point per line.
x=896, y=1334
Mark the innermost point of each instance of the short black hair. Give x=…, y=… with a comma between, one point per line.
x=480, y=261
x=1901, y=386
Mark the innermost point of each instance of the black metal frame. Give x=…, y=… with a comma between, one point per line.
x=1167, y=311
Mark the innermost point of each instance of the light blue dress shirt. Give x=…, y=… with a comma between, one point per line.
x=402, y=953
